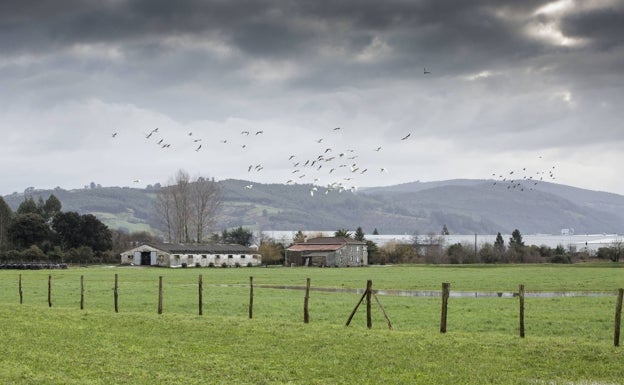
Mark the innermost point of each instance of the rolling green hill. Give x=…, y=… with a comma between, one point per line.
x=464, y=206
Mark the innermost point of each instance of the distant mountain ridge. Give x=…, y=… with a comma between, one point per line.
x=465, y=206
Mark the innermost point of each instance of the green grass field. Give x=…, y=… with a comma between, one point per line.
x=569, y=340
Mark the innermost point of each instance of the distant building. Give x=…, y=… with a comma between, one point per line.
x=190, y=255
x=567, y=231
x=327, y=251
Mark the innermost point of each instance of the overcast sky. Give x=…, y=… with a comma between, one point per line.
x=519, y=86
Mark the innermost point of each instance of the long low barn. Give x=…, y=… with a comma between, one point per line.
x=190, y=255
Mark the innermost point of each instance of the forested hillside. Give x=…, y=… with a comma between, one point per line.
x=464, y=206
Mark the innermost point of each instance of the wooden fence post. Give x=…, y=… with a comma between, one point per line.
x=200, y=285
x=369, y=289
x=81, y=292
x=21, y=294
x=49, y=290
x=250, y=297
x=521, y=296
x=446, y=288
x=116, y=294
x=306, y=313
x=618, y=317
x=160, y=294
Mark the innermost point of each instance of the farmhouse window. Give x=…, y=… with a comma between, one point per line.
x=230, y=256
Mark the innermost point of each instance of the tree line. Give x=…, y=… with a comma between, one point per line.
x=40, y=231
x=432, y=249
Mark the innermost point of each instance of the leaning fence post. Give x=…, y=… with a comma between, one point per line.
x=160, y=294
x=446, y=288
x=250, y=297
x=116, y=294
x=50, y=290
x=618, y=317
x=521, y=296
x=200, y=285
x=81, y=292
x=21, y=294
x=306, y=313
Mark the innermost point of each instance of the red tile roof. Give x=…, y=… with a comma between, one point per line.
x=314, y=247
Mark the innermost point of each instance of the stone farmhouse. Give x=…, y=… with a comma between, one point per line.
x=191, y=255
x=327, y=251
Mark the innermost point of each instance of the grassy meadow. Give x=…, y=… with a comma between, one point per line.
x=569, y=340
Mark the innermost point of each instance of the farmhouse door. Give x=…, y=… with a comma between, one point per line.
x=146, y=258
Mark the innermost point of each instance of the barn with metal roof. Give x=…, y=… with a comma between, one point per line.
x=191, y=255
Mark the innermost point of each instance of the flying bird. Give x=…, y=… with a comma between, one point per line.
x=114, y=134
x=425, y=71
x=197, y=149
x=406, y=136
x=259, y=132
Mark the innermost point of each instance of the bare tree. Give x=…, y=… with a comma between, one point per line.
x=181, y=195
x=188, y=209
x=205, y=203
x=164, y=210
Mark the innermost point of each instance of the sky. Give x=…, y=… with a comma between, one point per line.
x=368, y=93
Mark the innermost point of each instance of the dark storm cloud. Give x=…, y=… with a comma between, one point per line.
x=263, y=27
x=603, y=27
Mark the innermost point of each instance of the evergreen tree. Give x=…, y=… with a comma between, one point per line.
x=375, y=232
x=6, y=215
x=359, y=235
x=499, y=244
x=28, y=206
x=238, y=236
x=343, y=233
x=28, y=229
x=299, y=237
x=516, y=239
x=445, y=230
x=373, y=252
x=51, y=207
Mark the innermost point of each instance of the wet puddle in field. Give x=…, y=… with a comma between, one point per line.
x=436, y=293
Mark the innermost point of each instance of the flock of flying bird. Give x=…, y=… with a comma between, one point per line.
x=338, y=166
x=523, y=180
